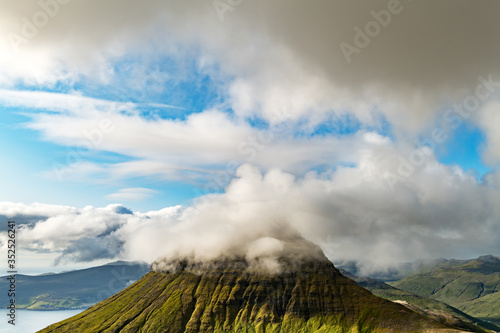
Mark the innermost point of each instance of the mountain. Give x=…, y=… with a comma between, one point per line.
x=428, y=307
x=290, y=292
x=74, y=289
x=472, y=286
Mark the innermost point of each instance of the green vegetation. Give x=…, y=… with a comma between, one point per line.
x=437, y=310
x=486, y=308
x=471, y=286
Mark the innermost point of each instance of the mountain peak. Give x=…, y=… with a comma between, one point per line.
x=489, y=259
x=265, y=255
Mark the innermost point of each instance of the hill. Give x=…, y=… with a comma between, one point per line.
x=288, y=293
x=75, y=289
x=471, y=286
x=428, y=307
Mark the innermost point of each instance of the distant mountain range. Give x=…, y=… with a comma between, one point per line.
x=75, y=289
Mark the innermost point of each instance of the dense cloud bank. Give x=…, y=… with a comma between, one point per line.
x=351, y=214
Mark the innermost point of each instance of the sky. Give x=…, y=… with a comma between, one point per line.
x=131, y=130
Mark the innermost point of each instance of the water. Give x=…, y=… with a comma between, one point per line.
x=32, y=321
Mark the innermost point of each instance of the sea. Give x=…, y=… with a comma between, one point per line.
x=31, y=321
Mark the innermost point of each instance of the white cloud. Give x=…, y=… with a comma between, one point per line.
x=76, y=234
x=265, y=247
x=489, y=120
x=259, y=45
x=57, y=102
x=131, y=194
x=175, y=148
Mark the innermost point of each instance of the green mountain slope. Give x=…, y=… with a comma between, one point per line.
x=471, y=286
x=228, y=295
x=487, y=307
x=75, y=289
x=428, y=307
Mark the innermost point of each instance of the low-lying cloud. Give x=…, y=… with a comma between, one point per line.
x=351, y=213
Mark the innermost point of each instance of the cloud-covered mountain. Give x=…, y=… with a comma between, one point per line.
x=232, y=294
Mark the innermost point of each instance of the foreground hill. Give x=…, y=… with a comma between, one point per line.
x=284, y=294
x=75, y=289
x=472, y=286
x=428, y=307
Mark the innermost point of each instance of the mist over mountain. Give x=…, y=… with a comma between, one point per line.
x=278, y=251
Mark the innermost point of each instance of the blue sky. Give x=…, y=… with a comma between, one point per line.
x=32, y=158
x=161, y=94
x=150, y=107
x=465, y=149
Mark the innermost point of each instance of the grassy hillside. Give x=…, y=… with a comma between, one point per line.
x=486, y=308
x=75, y=289
x=472, y=286
x=437, y=310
